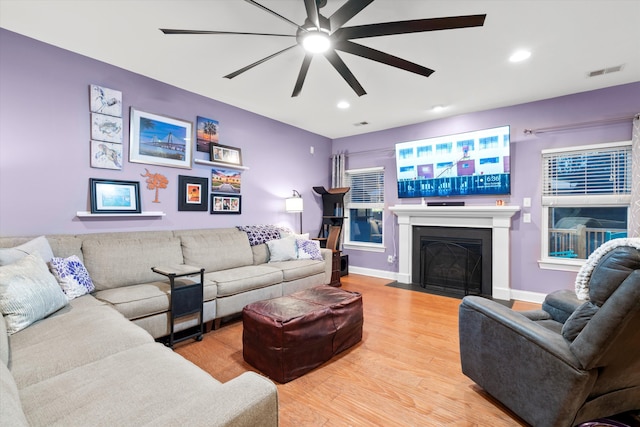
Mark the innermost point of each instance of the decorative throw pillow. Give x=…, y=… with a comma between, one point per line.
x=39, y=245
x=309, y=249
x=282, y=249
x=259, y=234
x=28, y=293
x=72, y=276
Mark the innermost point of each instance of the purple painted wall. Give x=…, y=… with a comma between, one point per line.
x=44, y=148
x=525, y=166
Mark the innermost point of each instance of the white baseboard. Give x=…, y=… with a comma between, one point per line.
x=525, y=296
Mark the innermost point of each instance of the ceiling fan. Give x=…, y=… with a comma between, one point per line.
x=319, y=34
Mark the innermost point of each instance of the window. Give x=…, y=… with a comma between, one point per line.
x=585, y=200
x=365, y=208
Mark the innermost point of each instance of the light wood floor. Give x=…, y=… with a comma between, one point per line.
x=405, y=372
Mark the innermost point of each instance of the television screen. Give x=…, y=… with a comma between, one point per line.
x=470, y=163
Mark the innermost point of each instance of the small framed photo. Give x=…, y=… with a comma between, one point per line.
x=111, y=196
x=226, y=181
x=160, y=140
x=193, y=193
x=225, y=154
x=226, y=204
x=106, y=155
x=207, y=133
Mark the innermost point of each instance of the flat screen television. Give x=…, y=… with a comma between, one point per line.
x=464, y=164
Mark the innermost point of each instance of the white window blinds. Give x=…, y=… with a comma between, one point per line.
x=603, y=170
x=367, y=186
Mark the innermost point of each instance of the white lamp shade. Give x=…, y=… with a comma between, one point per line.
x=294, y=204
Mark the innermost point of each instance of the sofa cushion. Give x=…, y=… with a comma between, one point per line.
x=297, y=269
x=217, y=251
x=82, y=332
x=308, y=249
x=4, y=343
x=28, y=293
x=11, y=412
x=284, y=249
x=137, y=301
x=259, y=234
x=116, y=262
x=72, y=276
x=39, y=245
x=242, y=279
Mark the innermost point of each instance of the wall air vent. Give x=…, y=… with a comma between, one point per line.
x=605, y=71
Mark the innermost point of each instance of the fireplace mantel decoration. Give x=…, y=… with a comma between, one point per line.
x=497, y=218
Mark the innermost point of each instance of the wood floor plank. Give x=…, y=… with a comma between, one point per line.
x=405, y=372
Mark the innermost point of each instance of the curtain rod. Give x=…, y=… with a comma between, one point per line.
x=377, y=150
x=580, y=125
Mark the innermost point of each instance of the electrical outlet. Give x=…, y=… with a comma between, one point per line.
x=391, y=259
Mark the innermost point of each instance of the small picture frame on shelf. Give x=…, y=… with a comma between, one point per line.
x=110, y=196
x=225, y=154
x=192, y=193
x=226, y=204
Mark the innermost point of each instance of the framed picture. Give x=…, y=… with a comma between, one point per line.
x=106, y=155
x=226, y=204
x=207, y=133
x=225, y=154
x=105, y=101
x=160, y=140
x=111, y=196
x=106, y=128
x=226, y=181
x=193, y=193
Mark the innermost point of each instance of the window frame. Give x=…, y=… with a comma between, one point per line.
x=347, y=242
x=547, y=262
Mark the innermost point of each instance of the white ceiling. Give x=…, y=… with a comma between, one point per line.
x=567, y=38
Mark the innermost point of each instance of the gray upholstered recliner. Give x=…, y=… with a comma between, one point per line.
x=570, y=362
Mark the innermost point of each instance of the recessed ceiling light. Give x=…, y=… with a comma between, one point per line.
x=343, y=105
x=520, y=55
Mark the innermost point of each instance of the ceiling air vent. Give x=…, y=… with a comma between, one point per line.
x=605, y=71
x=361, y=124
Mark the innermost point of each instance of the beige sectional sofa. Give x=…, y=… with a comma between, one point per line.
x=89, y=364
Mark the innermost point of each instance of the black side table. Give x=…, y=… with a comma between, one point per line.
x=186, y=299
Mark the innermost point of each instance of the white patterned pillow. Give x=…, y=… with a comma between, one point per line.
x=309, y=249
x=282, y=249
x=72, y=276
x=28, y=293
x=39, y=245
x=259, y=234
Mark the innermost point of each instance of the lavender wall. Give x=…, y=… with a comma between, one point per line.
x=44, y=148
x=525, y=166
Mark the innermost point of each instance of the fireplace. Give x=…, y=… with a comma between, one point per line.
x=453, y=261
x=496, y=219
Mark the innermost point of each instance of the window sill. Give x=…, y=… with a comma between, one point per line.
x=369, y=247
x=561, y=264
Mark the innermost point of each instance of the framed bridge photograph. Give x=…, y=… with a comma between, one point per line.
x=160, y=140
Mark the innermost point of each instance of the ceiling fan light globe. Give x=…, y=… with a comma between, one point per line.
x=316, y=42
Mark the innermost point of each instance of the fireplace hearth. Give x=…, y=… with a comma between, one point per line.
x=454, y=261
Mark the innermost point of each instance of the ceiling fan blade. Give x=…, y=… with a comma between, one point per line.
x=266, y=9
x=348, y=10
x=250, y=66
x=312, y=12
x=346, y=74
x=384, y=58
x=169, y=31
x=302, y=75
x=412, y=26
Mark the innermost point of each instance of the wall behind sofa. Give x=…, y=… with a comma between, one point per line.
x=376, y=149
x=44, y=148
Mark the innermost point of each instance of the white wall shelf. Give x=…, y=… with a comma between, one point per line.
x=222, y=165
x=85, y=214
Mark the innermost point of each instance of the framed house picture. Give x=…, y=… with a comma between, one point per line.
x=160, y=140
x=226, y=181
x=111, y=196
x=226, y=204
x=193, y=193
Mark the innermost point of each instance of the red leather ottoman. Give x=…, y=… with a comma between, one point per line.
x=289, y=336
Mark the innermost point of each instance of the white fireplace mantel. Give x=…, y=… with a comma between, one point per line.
x=498, y=218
